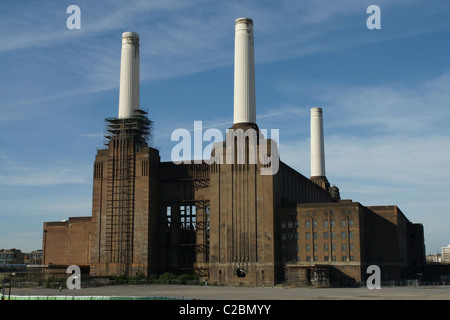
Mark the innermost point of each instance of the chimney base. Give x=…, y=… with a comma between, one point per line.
x=244, y=126
x=321, y=181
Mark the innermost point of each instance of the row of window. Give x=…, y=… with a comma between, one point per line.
x=316, y=258
x=331, y=212
x=325, y=235
x=188, y=216
x=326, y=247
x=295, y=224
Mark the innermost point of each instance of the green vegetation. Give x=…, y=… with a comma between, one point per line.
x=164, y=278
x=55, y=283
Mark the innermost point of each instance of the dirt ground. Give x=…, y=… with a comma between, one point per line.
x=201, y=292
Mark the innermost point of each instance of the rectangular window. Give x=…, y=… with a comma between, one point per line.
x=308, y=235
x=344, y=258
x=308, y=258
x=283, y=236
x=144, y=168
x=188, y=217
x=325, y=223
x=350, y=235
x=308, y=247
x=342, y=223
x=351, y=246
x=326, y=258
x=289, y=224
x=283, y=224
x=350, y=223
x=333, y=247
x=315, y=235
x=307, y=224
x=344, y=247
x=314, y=223
x=343, y=235
x=325, y=247
x=325, y=235
x=332, y=222
x=333, y=235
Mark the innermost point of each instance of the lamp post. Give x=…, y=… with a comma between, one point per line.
x=10, y=284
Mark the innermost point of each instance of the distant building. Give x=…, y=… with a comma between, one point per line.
x=434, y=258
x=11, y=256
x=33, y=257
x=446, y=254
x=16, y=256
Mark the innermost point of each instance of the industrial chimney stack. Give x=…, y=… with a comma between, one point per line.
x=244, y=74
x=129, y=75
x=317, y=149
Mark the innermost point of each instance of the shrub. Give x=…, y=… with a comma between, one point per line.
x=54, y=283
x=186, y=278
x=122, y=279
x=166, y=277
x=153, y=276
x=138, y=277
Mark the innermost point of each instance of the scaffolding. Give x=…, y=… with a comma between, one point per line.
x=120, y=204
x=201, y=245
x=193, y=235
x=124, y=138
x=138, y=127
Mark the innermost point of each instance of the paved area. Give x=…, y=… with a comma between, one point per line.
x=250, y=293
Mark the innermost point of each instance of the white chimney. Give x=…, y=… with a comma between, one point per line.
x=317, y=144
x=244, y=72
x=129, y=75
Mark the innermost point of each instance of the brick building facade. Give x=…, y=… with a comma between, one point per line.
x=215, y=220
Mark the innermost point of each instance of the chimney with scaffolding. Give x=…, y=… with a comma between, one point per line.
x=124, y=208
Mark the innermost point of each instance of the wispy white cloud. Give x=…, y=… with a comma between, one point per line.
x=177, y=38
x=390, y=160
x=14, y=174
x=394, y=109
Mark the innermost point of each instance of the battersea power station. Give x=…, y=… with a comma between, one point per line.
x=241, y=217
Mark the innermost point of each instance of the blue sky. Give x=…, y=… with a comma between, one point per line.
x=384, y=94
